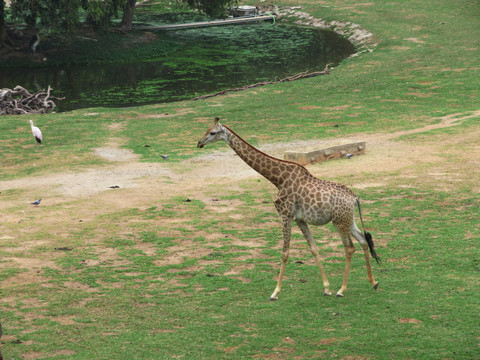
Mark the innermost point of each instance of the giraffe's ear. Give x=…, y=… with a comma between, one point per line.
x=217, y=119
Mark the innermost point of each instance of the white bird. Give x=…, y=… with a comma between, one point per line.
x=34, y=42
x=36, y=132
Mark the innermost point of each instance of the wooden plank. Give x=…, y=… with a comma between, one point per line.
x=239, y=20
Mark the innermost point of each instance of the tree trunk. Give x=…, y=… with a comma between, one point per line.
x=3, y=28
x=3, y=35
x=127, y=17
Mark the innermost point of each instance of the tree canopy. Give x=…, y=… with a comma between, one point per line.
x=67, y=15
x=213, y=8
x=63, y=15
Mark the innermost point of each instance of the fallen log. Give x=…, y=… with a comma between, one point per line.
x=301, y=75
x=21, y=101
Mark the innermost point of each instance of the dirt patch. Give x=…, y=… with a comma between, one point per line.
x=92, y=181
x=409, y=321
x=115, y=154
x=312, y=107
x=415, y=40
x=37, y=355
x=185, y=249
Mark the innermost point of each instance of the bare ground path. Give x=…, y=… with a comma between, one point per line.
x=126, y=171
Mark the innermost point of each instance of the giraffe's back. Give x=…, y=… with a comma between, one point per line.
x=319, y=202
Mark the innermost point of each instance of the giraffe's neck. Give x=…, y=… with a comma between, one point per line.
x=277, y=171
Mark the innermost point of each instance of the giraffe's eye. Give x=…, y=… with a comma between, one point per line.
x=213, y=133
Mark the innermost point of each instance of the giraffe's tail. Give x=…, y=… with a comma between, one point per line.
x=368, y=236
x=369, y=239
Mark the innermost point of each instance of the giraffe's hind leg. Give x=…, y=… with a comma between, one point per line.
x=349, y=251
x=313, y=248
x=355, y=231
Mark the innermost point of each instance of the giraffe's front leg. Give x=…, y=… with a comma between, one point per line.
x=287, y=227
x=313, y=248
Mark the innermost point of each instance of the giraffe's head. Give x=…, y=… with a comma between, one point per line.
x=214, y=134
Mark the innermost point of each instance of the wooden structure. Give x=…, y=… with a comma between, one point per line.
x=326, y=152
x=229, y=21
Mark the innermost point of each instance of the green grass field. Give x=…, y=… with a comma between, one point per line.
x=140, y=273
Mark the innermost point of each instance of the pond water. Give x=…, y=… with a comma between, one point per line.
x=198, y=62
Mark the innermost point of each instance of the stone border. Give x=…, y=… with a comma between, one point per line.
x=361, y=38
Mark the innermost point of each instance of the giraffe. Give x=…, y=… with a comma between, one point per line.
x=304, y=199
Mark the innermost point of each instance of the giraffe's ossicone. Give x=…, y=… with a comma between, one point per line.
x=305, y=199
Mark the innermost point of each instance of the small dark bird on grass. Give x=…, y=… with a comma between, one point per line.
x=36, y=203
x=34, y=42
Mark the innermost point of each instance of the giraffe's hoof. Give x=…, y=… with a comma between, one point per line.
x=273, y=299
x=327, y=293
x=375, y=287
x=339, y=295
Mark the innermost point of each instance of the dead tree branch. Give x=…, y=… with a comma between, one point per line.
x=21, y=101
x=301, y=75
